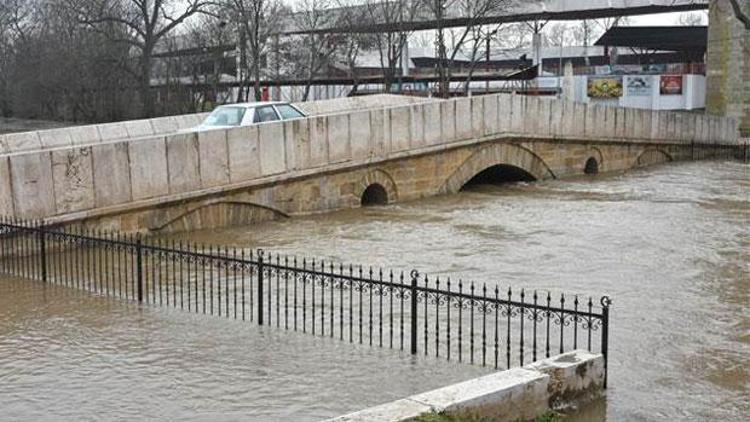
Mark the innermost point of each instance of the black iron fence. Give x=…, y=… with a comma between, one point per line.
x=420, y=314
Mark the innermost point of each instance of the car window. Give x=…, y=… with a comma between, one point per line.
x=225, y=116
x=288, y=112
x=265, y=114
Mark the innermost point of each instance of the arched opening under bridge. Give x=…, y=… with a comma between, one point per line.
x=499, y=174
x=375, y=194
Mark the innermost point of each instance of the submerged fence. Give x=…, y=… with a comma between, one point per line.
x=448, y=319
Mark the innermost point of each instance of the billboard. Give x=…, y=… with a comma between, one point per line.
x=639, y=86
x=670, y=85
x=604, y=87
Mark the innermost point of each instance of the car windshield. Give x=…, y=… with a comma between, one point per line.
x=288, y=112
x=225, y=116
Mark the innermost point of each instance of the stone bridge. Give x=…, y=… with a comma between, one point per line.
x=184, y=181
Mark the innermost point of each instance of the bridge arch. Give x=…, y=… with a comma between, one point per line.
x=214, y=214
x=498, y=160
x=652, y=156
x=593, y=161
x=376, y=188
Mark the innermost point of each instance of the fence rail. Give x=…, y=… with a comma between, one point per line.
x=417, y=313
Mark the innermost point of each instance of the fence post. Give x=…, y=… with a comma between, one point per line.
x=139, y=265
x=414, y=278
x=260, y=287
x=42, y=252
x=606, y=301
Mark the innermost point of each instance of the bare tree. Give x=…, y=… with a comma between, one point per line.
x=394, y=14
x=350, y=43
x=256, y=21
x=317, y=46
x=474, y=12
x=145, y=23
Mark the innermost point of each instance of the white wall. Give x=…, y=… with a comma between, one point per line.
x=693, y=94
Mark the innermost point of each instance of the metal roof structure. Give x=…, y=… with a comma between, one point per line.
x=671, y=38
x=517, y=11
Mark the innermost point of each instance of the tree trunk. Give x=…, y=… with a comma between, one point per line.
x=147, y=100
x=256, y=75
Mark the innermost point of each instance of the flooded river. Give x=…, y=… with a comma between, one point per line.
x=669, y=244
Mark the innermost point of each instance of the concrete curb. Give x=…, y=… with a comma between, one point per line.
x=520, y=393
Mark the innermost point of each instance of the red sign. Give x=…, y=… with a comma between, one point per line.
x=670, y=85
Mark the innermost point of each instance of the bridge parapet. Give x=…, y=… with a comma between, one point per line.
x=86, y=135
x=71, y=182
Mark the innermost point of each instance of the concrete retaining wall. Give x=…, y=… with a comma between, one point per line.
x=517, y=394
x=74, y=180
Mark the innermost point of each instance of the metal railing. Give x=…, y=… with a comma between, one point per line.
x=417, y=313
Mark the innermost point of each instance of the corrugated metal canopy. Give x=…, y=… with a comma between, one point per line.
x=670, y=38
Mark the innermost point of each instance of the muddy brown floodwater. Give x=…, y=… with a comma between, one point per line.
x=669, y=244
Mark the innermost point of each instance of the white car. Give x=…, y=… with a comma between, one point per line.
x=246, y=114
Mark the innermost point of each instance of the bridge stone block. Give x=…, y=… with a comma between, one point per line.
x=183, y=162
x=290, y=147
x=517, y=113
x=400, y=128
x=23, y=141
x=489, y=107
x=619, y=123
x=530, y=112
x=186, y=121
x=148, y=168
x=611, y=121
x=84, y=135
x=271, y=145
x=705, y=129
x=663, y=126
x=568, y=118
x=214, y=157
x=318, y=135
x=448, y=121
x=543, y=117
x=504, y=110
x=138, y=128
x=654, y=129
x=163, y=125
x=339, y=148
x=111, y=174
x=581, y=113
x=55, y=138
x=432, y=125
x=112, y=131
x=555, y=121
x=416, y=122
x=244, y=157
x=463, y=118
x=477, y=117
x=360, y=134
x=3, y=145
x=381, y=132
x=73, y=176
x=6, y=192
x=31, y=176
x=644, y=124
